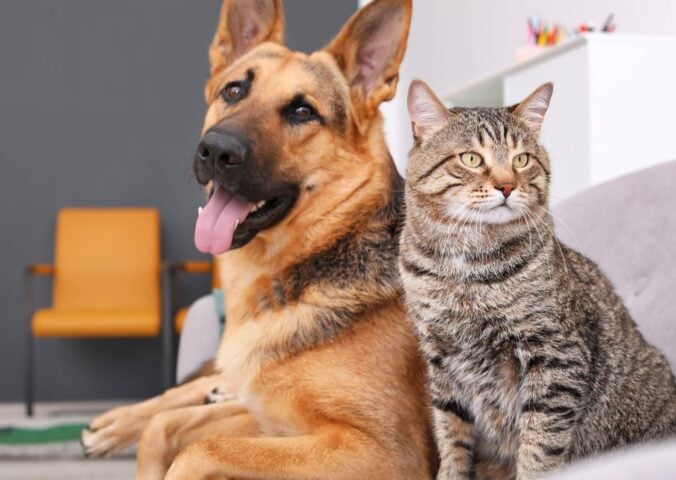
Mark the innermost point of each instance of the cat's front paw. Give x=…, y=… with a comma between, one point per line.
x=451, y=473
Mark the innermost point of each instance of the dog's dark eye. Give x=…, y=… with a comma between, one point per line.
x=302, y=113
x=232, y=92
x=300, y=110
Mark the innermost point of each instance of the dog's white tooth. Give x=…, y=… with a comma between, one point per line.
x=236, y=223
x=199, y=211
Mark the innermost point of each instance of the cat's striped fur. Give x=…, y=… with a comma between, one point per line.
x=533, y=360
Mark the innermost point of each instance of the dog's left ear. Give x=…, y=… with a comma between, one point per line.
x=369, y=50
x=244, y=24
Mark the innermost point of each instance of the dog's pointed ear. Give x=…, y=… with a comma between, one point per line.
x=244, y=24
x=369, y=50
x=532, y=110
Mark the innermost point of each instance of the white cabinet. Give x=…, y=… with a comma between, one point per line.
x=613, y=109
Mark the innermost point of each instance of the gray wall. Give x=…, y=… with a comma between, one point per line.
x=101, y=105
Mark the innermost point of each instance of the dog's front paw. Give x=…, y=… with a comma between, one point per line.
x=218, y=395
x=111, y=432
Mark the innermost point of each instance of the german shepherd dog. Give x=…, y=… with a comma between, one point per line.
x=319, y=361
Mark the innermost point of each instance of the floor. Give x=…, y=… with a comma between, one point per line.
x=72, y=468
x=68, y=469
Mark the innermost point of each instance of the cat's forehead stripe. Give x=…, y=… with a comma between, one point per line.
x=491, y=124
x=486, y=127
x=482, y=141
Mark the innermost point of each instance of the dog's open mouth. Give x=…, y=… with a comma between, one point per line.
x=231, y=221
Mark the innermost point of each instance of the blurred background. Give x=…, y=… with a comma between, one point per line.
x=101, y=105
x=456, y=44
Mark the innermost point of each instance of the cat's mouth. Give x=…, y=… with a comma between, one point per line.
x=499, y=212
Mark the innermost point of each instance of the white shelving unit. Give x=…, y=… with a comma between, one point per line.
x=613, y=109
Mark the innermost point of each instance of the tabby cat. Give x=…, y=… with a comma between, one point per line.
x=533, y=360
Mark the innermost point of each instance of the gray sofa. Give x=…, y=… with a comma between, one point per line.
x=628, y=227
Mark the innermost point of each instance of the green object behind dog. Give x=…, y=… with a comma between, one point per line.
x=54, y=441
x=27, y=436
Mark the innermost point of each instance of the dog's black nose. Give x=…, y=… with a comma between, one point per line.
x=221, y=149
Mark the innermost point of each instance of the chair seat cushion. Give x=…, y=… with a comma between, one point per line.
x=54, y=322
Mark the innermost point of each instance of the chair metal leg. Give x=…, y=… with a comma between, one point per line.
x=172, y=281
x=30, y=374
x=167, y=333
x=29, y=367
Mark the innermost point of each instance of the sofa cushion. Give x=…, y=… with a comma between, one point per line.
x=628, y=227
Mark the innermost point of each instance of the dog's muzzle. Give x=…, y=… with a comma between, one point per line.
x=220, y=153
x=248, y=194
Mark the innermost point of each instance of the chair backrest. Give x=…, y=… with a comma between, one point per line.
x=107, y=258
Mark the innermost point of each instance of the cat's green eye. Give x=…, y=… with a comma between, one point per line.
x=471, y=159
x=521, y=160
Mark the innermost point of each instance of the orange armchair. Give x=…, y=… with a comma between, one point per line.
x=190, y=267
x=107, y=282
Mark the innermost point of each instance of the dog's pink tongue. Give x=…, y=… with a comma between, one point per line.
x=216, y=224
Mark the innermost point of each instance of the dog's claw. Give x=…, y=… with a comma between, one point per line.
x=218, y=395
x=84, y=447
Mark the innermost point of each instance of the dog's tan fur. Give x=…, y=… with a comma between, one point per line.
x=345, y=402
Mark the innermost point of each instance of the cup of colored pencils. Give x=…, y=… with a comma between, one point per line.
x=539, y=36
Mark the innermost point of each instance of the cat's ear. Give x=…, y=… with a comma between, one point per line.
x=243, y=25
x=533, y=109
x=427, y=113
x=369, y=50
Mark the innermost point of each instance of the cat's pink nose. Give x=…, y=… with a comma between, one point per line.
x=505, y=188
